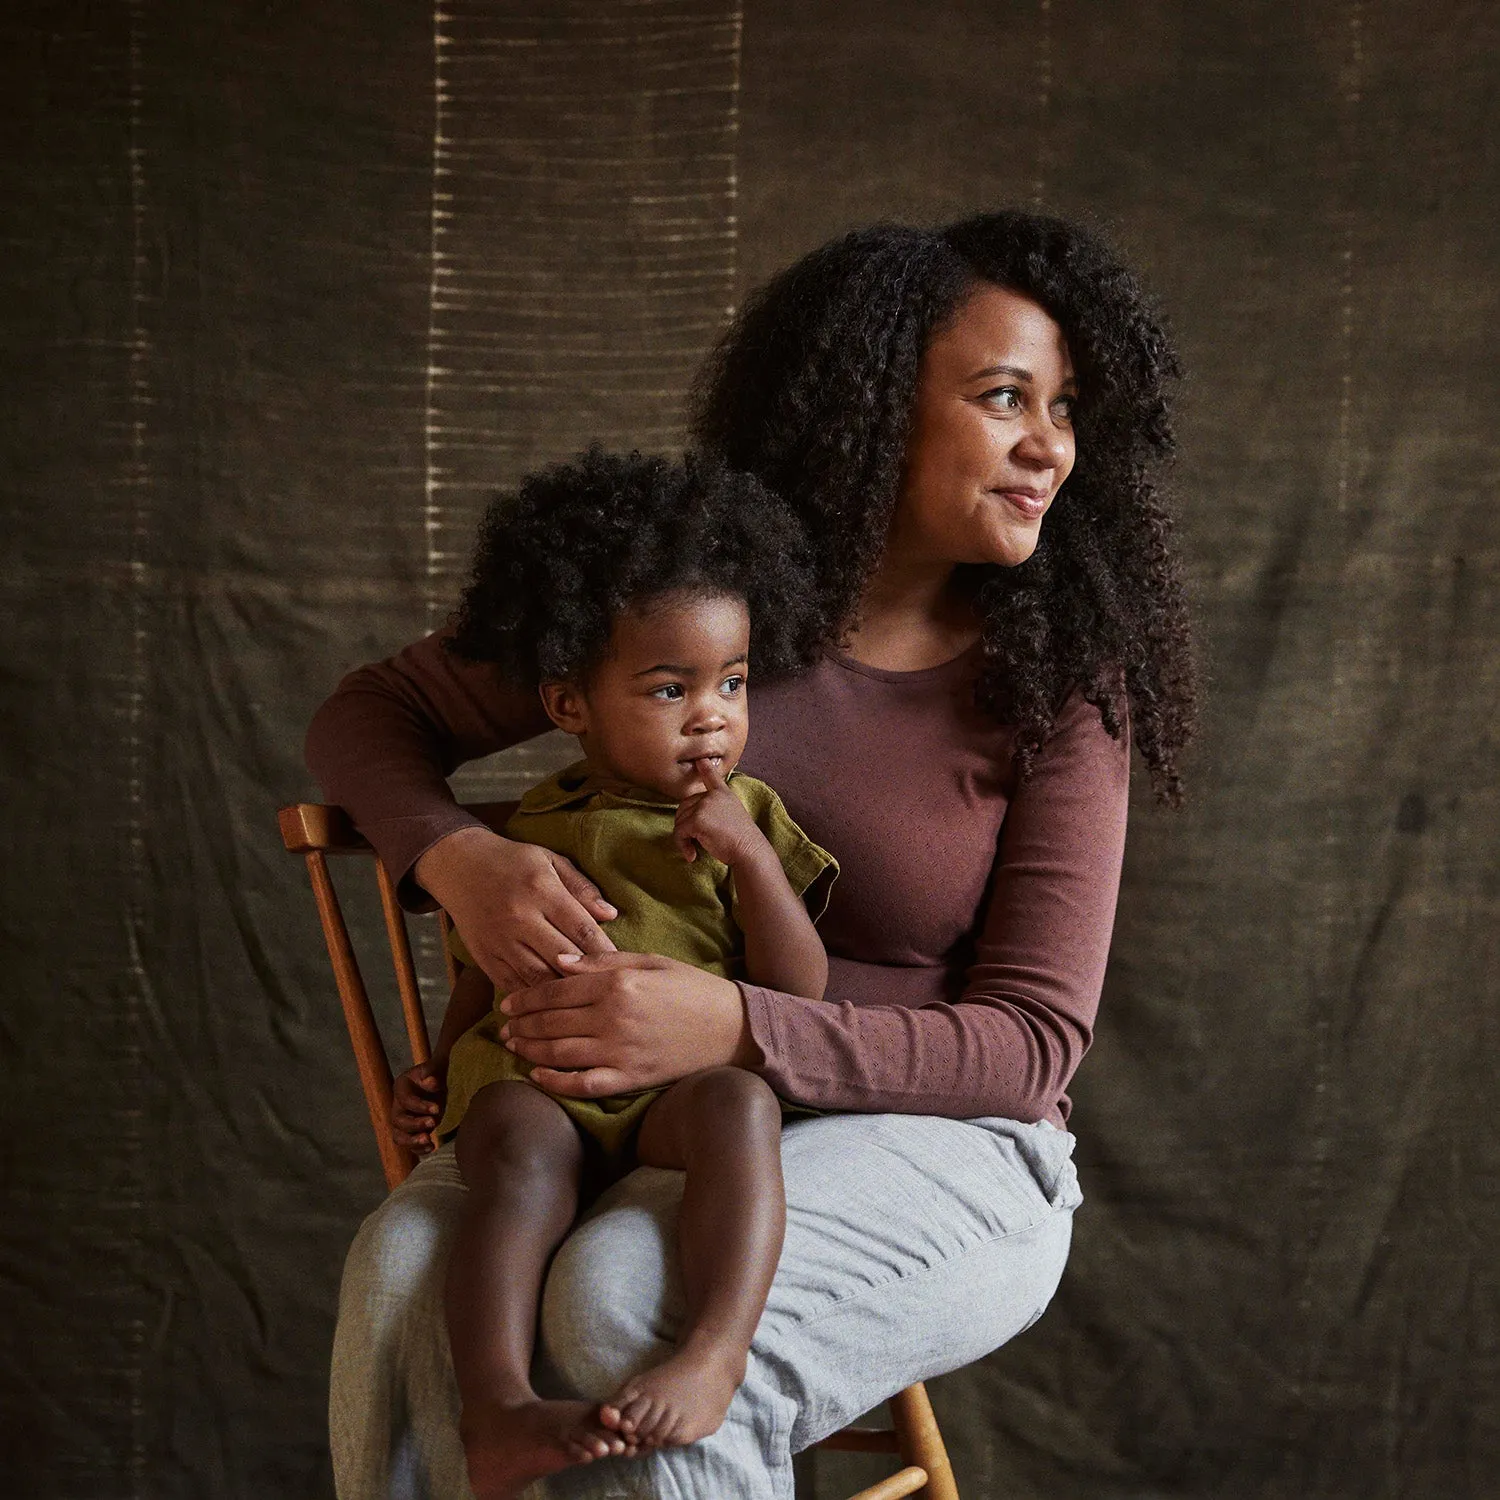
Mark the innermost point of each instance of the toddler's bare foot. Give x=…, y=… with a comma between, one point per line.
x=679, y=1401
x=509, y=1446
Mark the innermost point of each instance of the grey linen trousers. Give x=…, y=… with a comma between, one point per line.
x=914, y=1246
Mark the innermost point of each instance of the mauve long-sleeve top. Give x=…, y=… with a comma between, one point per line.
x=969, y=927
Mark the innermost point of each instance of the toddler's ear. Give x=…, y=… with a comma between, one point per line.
x=566, y=706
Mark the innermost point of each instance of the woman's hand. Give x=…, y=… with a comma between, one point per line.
x=625, y=1021
x=417, y=1105
x=518, y=907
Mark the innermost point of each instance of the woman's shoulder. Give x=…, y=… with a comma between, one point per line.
x=1083, y=760
x=1084, y=721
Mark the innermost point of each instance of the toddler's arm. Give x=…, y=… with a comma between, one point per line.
x=472, y=997
x=782, y=948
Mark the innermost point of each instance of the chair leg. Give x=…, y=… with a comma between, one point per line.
x=921, y=1442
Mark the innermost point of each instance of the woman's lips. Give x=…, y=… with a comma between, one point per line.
x=1033, y=507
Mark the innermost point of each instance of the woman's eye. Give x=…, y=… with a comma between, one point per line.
x=1007, y=397
x=1065, y=407
x=668, y=692
x=731, y=685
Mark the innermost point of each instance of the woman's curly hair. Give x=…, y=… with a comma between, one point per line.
x=812, y=390
x=561, y=559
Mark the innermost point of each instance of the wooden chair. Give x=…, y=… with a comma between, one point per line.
x=316, y=831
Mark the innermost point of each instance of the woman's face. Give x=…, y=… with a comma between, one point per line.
x=992, y=435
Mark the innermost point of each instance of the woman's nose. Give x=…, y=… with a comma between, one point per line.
x=1044, y=445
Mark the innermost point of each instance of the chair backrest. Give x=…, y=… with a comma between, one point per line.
x=315, y=830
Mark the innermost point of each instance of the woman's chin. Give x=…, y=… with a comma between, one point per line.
x=1011, y=551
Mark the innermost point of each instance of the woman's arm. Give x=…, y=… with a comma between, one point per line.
x=382, y=747
x=625, y=1021
x=1013, y=1037
x=384, y=743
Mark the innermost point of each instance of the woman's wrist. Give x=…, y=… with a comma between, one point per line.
x=446, y=861
x=746, y=1051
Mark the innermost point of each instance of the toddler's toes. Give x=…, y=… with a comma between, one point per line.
x=656, y=1423
x=664, y=1432
x=642, y=1414
x=599, y=1443
x=629, y=1406
x=610, y=1414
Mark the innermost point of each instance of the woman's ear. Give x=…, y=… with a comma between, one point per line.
x=566, y=706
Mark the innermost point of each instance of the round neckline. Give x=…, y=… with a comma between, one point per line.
x=919, y=674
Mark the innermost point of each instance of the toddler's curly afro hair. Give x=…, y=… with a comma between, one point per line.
x=579, y=543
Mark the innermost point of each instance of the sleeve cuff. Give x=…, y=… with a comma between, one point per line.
x=765, y=1031
x=403, y=843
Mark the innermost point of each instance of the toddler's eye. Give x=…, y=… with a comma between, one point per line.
x=731, y=685
x=668, y=692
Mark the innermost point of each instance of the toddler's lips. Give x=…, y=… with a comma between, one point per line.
x=691, y=764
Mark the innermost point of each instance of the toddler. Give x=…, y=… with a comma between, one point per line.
x=626, y=589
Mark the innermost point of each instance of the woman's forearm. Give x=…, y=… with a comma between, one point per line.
x=445, y=862
x=958, y=1060
x=1003, y=1035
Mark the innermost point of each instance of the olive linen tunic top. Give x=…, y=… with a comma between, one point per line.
x=969, y=928
x=621, y=837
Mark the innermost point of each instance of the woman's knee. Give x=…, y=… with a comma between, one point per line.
x=399, y=1253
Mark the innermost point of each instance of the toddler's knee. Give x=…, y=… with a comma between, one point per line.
x=511, y=1127
x=735, y=1095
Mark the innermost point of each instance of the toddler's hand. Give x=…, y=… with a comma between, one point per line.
x=417, y=1105
x=716, y=821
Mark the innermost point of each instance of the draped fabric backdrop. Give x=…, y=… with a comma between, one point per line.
x=289, y=289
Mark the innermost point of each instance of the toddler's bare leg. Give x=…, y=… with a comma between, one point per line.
x=723, y=1127
x=520, y=1157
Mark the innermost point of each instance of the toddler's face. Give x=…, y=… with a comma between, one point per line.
x=670, y=692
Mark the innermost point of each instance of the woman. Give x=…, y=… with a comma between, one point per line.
x=969, y=421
